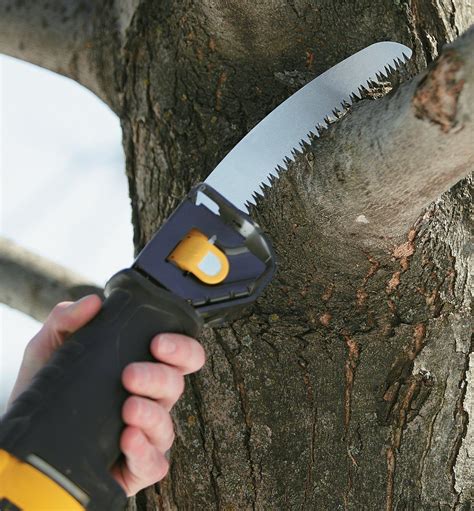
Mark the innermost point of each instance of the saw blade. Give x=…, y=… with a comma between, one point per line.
x=260, y=154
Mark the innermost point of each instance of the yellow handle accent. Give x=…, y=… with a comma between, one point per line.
x=30, y=490
x=196, y=254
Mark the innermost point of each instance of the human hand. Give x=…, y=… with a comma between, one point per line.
x=155, y=388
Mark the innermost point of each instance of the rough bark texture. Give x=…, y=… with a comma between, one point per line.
x=34, y=285
x=73, y=38
x=346, y=386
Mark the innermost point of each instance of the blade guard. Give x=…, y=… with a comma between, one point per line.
x=250, y=257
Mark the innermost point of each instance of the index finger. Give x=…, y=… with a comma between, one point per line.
x=180, y=351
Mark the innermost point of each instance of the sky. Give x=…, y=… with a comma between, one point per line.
x=63, y=191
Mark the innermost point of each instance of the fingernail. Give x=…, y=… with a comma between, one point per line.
x=166, y=346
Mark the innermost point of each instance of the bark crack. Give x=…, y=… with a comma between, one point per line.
x=201, y=422
x=352, y=361
x=309, y=473
x=430, y=437
x=463, y=385
x=400, y=395
x=244, y=406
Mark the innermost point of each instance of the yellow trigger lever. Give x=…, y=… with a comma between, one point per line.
x=198, y=255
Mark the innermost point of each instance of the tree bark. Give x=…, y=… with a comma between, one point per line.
x=34, y=285
x=347, y=386
x=80, y=39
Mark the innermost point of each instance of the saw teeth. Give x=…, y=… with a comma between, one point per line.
x=296, y=153
x=267, y=180
x=396, y=64
x=265, y=185
x=305, y=144
x=319, y=129
x=345, y=102
x=354, y=97
x=273, y=179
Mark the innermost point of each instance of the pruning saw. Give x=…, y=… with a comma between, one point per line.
x=60, y=438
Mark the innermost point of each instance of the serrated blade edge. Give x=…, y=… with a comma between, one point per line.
x=256, y=157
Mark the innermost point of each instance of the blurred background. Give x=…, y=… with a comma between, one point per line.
x=63, y=190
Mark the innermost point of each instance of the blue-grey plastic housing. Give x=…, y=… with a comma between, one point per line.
x=250, y=254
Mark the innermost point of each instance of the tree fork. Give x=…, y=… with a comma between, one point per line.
x=188, y=81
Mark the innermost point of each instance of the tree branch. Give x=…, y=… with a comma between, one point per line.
x=73, y=38
x=371, y=173
x=34, y=285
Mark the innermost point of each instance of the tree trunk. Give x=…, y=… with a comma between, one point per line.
x=343, y=388
x=346, y=385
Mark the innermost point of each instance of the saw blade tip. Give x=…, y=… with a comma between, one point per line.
x=400, y=55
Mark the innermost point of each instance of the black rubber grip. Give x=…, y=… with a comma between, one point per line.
x=70, y=416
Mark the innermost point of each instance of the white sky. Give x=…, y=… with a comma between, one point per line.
x=63, y=191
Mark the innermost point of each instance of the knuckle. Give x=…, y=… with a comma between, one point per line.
x=157, y=415
x=57, y=312
x=59, y=307
x=162, y=429
x=177, y=386
x=162, y=375
x=200, y=356
x=55, y=322
x=170, y=438
x=150, y=414
x=131, y=409
x=167, y=428
x=180, y=385
x=197, y=357
x=162, y=469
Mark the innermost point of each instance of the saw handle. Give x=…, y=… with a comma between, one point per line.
x=70, y=416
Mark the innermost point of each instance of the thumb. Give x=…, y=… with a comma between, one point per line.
x=65, y=319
